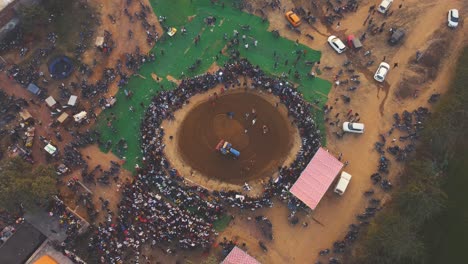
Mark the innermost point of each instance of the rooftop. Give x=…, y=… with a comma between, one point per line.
x=21, y=245
x=5, y=3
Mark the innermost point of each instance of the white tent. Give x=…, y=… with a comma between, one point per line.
x=80, y=116
x=72, y=100
x=99, y=41
x=50, y=101
x=50, y=149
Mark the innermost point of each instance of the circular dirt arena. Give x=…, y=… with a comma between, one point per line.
x=209, y=118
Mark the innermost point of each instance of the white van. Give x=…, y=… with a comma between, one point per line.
x=343, y=183
x=384, y=6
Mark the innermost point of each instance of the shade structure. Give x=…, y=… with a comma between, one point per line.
x=34, y=89
x=238, y=256
x=61, y=67
x=316, y=178
x=46, y=259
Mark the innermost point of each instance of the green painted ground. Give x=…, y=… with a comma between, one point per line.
x=175, y=54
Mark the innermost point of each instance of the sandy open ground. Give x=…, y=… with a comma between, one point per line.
x=200, y=164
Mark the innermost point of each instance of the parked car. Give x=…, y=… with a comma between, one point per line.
x=396, y=37
x=381, y=72
x=336, y=44
x=293, y=18
x=453, y=18
x=353, y=127
x=343, y=183
x=384, y=6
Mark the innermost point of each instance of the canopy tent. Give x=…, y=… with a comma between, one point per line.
x=25, y=115
x=238, y=256
x=62, y=118
x=50, y=101
x=316, y=178
x=80, y=116
x=34, y=89
x=99, y=41
x=50, y=149
x=46, y=259
x=72, y=100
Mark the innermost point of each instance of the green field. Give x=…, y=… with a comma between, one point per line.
x=175, y=54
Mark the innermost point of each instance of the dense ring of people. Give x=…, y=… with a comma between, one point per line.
x=160, y=209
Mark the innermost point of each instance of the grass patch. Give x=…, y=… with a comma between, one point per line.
x=176, y=54
x=223, y=222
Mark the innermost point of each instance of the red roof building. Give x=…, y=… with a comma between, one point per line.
x=316, y=178
x=238, y=256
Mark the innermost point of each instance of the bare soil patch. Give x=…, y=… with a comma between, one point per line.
x=199, y=126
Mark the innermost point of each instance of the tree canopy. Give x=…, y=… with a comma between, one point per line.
x=20, y=183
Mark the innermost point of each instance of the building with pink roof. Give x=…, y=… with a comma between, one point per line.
x=238, y=256
x=316, y=178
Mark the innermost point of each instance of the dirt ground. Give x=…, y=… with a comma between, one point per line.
x=199, y=126
x=208, y=123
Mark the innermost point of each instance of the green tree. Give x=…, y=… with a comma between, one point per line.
x=21, y=184
x=31, y=15
x=420, y=201
x=392, y=239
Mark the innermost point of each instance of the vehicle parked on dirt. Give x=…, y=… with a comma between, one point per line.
x=62, y=169
x=293, y=18
x=343, y=183
x=384, y=6
x=381, y=72
x=336, y=44
x=453, y=18
x=354, y=42
x=353, y=127
x=396, y=37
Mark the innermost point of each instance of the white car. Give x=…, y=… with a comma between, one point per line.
x=336, y=44
x=353, y=127
x=453, y=18
x=384, y=6
x=381, y=72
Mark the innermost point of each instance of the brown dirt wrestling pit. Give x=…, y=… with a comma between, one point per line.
x=200, y=125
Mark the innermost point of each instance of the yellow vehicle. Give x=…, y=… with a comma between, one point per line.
x=293, y=18
x=172, y=31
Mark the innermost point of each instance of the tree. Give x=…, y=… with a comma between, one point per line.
x=31, y=15
x=420, y=201
x=392, y=239
x=21, y=184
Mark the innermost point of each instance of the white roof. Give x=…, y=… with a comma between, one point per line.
x=72, y=100
x=50, y=149
x=99, y=41
x=78, y=117
x=343, y=182
x=5, y=3
x=50, y=101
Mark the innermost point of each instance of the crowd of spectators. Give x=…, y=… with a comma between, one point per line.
x=159, y=208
